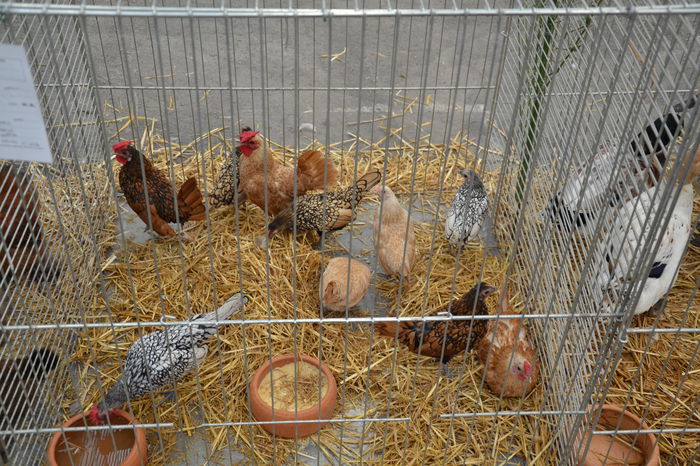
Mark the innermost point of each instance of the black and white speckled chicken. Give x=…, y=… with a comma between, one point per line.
x=468, y=215
x=321, y=212
x=163, y=357
x=228, y=184
x=640, y=164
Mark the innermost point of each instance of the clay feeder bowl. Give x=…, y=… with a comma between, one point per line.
x=125, y=447
x=617, y=449
x=283, y=387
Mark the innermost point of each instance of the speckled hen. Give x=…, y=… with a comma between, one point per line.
x=469, y=213
x=161, y=200
x=426, y=338
x=228, y=187
x=163, y=357
x=327, y=212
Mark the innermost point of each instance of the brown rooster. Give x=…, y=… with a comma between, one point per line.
x=510, y=359
x=426, y=338
x=279, y=183
x=324, y=211
x=160, y=193
x=24, y=252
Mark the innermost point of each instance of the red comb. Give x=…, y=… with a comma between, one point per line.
x=526, y=365
x=246, y=136
x=121, y=145
x=93, y=416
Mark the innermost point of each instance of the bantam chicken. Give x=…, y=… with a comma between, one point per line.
x=629, y=234
x=25, y=254
x=20, y=383
x=642, y=160
x=393, y=235
x=468, y=215
x=279, y=184
x=227, y=190
x=324, y=211
x=511, y=366
x=336, y=294
x=162, y=358
x=161, y=203
x=427, y=338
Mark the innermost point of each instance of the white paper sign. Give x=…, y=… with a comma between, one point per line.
x=22, y=129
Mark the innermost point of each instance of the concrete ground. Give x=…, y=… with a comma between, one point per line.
x=201, y=74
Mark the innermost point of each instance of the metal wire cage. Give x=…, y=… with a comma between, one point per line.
x=526, y=94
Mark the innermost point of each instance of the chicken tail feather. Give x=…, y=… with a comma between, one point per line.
x=190, y=202
x=233, y=305
x=312, y=166
x=386, y=329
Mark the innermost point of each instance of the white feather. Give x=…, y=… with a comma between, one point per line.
x=629, y=232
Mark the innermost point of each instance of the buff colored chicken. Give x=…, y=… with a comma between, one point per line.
x=510, y=359
x=336, y=293
x=394, y=236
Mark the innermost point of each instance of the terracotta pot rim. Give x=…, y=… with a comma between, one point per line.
x=652, y=457
x=302, y=414
x=134, y=456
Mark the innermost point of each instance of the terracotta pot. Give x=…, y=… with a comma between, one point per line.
x=647, y=452
x=263, y=411
x=131, y=443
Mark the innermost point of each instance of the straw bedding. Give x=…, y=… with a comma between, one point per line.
x=375, y=380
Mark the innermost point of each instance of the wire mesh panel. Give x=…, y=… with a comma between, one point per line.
x=541, y=153
x=56, y=226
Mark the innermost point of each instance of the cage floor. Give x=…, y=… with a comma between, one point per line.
x=404, y=394
x=408, y=393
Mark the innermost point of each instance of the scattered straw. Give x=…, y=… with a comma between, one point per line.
x=374, y=379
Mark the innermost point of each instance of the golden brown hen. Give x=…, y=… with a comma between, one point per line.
x=278, y=182
x=426, y=338
x=161, y=204
x=331, y=211
x=510, y=359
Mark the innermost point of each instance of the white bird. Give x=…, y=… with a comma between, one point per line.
x=630, y=234
x=641, y=162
